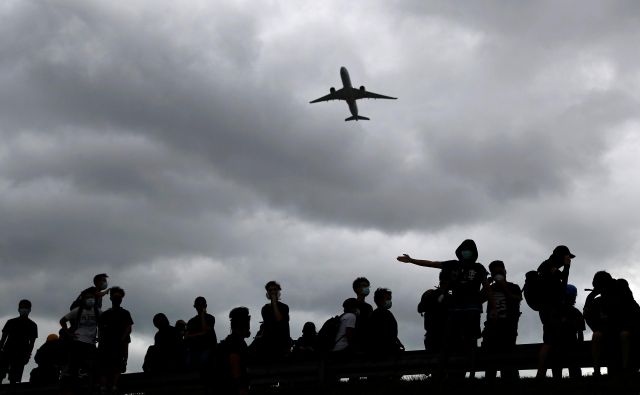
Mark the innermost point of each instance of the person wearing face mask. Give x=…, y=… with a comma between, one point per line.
x=501, y=327
x=469, y=285
x=361, y=287
x=100, y=288
x=114, y=331
x=82, y=335
x=276, y=338
x=18, y=338
x=382, y=329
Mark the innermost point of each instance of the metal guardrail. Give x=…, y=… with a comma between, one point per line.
x=315, y=371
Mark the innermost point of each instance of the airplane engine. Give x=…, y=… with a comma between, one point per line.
x=362, y=88
x=332, y=90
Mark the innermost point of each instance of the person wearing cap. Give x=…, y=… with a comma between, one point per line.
x=100, y=288
x=555, y=274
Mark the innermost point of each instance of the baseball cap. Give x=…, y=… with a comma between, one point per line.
x=562, y=251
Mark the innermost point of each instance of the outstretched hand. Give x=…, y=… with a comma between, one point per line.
x=404, y=258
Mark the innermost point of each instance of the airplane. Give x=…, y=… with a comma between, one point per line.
x=350, y=94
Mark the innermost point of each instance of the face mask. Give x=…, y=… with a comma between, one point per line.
x=387, y=304
x=466, y=254
x=357, y=312
x=498, y=277
x=24, y=312
x=365, y=291
x=90, y=302
x=104, y=285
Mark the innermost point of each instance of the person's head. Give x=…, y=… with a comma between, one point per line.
x=361, y=286
x=88, y=298
x=350, y=305
x=24, y=308
x=561, y=256
x=52, y=337
x=309, y=329
x=200, y=304
x=160, y=321
x=601, y=281
x=571, y=294
x=181, y=326
x=467, y=251
x=443, y=280
x=240, y=321
x=116, y=295
x=273, y=288
x=382, y=298
x=100, y=281
x=497, y=270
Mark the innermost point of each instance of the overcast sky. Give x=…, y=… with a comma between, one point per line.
x=172, y=145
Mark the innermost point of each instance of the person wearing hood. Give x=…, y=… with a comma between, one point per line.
x=469, y=285
x=18, y=338
x=554, y=272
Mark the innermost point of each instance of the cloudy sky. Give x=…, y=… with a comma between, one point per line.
x=172, y=145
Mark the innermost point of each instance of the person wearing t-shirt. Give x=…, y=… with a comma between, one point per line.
x=434, y=306
x=343, y=341
x=572, y=329
x=383, y=328
x=276, y=335
x=233, y=352
x=18, y=338
x=200, y=339
x=114, y=330
x=83, y=334
x=361, y=287
x=469, y=287
x=501, y=327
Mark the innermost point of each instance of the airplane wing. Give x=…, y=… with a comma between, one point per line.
x=363, y=94
x=337, y=95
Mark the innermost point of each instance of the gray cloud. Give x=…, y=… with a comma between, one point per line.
x=173, y=146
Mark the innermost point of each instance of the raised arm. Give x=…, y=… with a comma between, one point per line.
x=420, y=262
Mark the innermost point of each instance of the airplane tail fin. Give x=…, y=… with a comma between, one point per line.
x=357, y=117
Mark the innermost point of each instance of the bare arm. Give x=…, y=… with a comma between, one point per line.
x=276, y=310
x=420, y=262
x=236, y=373
x=486, y=289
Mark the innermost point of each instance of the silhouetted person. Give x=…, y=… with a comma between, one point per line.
x=18, y=338
x=469, y=287
x=613, y=315
x=114, y=330
x=307, y=343
x=99, y=289
x=233, y=354
x=167, y=354
x=181, y=327
x=50, y=357
x=82, y=335
x=501, y=328
x=344, y=340
x=200, y=339
x=434, y=306
x=571, y=333
x=276, y=338
x=361, y=287
x=382, y=332
x=554, y=272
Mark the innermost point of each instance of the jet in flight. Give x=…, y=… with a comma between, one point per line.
x=350, y=94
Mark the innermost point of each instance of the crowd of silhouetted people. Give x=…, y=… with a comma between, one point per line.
x=92, y=344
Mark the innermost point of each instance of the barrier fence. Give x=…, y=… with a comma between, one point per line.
x=320, y=371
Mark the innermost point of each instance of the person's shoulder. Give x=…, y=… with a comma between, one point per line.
x=450, y=264
x=193, y=320
x=283, y=305
x=514, y=286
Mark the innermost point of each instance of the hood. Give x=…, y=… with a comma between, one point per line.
x=467, y=245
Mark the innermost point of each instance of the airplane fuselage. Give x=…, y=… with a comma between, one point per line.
x=346, y=83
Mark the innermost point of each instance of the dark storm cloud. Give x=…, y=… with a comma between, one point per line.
x=173, y=146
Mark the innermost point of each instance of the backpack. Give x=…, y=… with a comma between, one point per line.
x=327, y=334
x=534, y=290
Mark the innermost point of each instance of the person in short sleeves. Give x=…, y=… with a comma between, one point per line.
x=18, y=338
x=83, y=334
x=346, y=331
